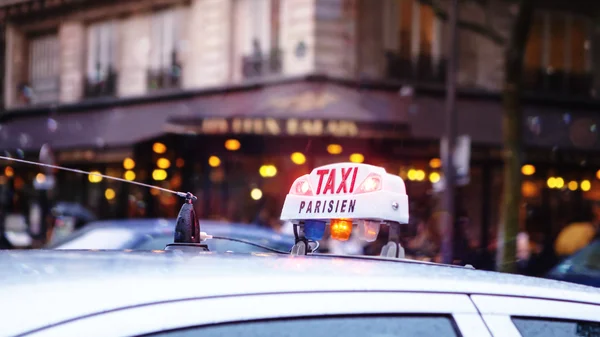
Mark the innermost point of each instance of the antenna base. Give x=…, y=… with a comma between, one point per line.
x=188, y=247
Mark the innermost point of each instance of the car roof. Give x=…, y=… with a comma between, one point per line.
x=49, y=286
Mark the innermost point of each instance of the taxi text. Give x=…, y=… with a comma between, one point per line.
x=327, y=206
x=327, y=176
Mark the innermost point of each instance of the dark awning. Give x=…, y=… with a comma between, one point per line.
x=480, y=119
x=333, y=109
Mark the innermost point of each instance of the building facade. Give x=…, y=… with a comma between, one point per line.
x=232, y=99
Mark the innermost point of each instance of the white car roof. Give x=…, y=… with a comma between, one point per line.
x=44, y=287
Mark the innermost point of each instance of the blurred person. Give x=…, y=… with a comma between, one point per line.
x=428, y=239
x=523, y=251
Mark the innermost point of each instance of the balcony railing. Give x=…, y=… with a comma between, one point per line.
x=167, y=77
x=101, y=85
x=423, y=69
x=164, y=78
x=558, y=83
x=39, y=91
x=262, y=65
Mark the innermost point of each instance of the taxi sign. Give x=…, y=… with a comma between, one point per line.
x=347, y=191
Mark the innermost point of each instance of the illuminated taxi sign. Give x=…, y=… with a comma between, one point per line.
x=347, y=191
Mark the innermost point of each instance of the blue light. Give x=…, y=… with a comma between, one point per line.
x=314, y=230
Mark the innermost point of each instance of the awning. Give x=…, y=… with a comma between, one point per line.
x=284, y=109
x=479, y=119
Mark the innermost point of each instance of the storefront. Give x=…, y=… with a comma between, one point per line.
x=240, y=151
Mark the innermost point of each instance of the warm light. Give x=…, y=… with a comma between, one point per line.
x=267, y=171
x=214, y=161
x=551, y=182
x=418, y=175
x=560, y=183
x=334, y=149
x=572, y=185
x=528, y=169
x=94, y=177
x=598, y=174
x=129, y=175
x=586, y=185
x=529, y=189
x=179, y=162
x=341, y=229
x=435, y=163
x=371, y=184
x=163, y=163
x=128, y=164
x=109, y=194
x=357, y=158
x=9, y=172
x=412, y=174
x=40, y=178
x=232, y=144
x=301, y=187
x=298, y=158
x=256, y=194
x=368, y=230
x=159, y=148
x=434, y=177
x=159, y=175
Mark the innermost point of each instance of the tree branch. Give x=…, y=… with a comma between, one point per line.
x=484, y=30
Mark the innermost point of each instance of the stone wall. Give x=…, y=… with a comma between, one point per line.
x=134, y=50
x=207, y=59
x=72, y=53
x=14, y=64
x=336, y=39
x=298, y=38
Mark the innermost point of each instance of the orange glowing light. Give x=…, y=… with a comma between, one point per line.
x=341, y=229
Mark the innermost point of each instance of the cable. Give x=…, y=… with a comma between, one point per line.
x=317, y=245
x=181, y=194
x=261, y=246
x=251, y=244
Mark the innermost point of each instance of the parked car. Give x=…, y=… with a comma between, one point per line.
x=582, y=267
x=155, y=234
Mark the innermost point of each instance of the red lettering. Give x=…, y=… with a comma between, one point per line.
x=330, y=182
x=345, y=175
x=321, y=174
x=353, y=179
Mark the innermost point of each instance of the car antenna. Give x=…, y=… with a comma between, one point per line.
x=187, y=230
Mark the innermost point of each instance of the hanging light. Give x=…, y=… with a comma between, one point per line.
x=94, y=177
x=214, y=161
x=298, y=158
x=159, y=148
x=232, y=144
x=334, y=148
x=357, y=158
x=163, y=163
x=128, y=164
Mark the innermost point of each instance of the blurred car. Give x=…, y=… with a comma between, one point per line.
x=582, y=267
x=155, y=234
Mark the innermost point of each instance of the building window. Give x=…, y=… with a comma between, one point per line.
x=260, y=31
x=557, y=57
x=412, y=41
x=165, y=67
x=44, y=71
x=102, y=58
